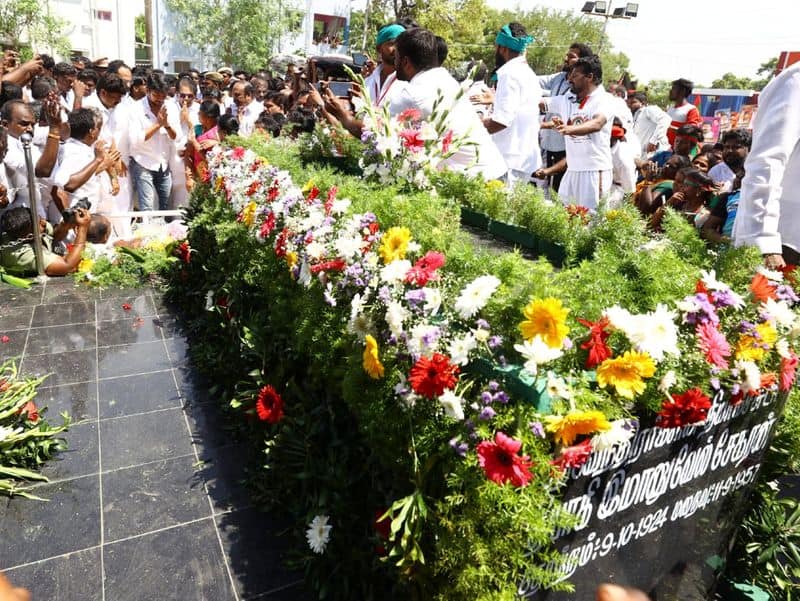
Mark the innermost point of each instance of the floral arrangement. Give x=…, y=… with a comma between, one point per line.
x=470, y=470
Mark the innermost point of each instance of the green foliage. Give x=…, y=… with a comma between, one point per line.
x=27, y=24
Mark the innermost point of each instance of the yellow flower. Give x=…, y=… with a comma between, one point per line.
x=308, y=186
x=371, y=361
x=291, y=259
x=249, y=213
x=566, y=428
x=751, y=348
x=219, y=184
x=85, y=266
x=625, y=373
x=545, y=318
x=394, y=244
x=494, y=185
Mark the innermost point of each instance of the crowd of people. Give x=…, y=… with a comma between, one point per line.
x=106, y=138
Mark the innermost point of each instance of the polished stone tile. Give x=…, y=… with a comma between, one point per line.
x=211, y=427
x=132, y=359
x=80, y=458
x=15, y=317
x=151, y=497
x=178, y=349
x=170, y=326
x=138, y=394
x=64, y=368
x=223, y=472
x=78, y=400
x=115, y=308
x=136, y=439
x=73, y=577
x=255, y=551
x=193, y=387
x=14, y=346
x=63, y=314
x=11, y=296
x=61, y=339
x=127, y=330
x=292, y=592
x=75, y=293
x=179, y=564
x=116, y=292
x=69, y=521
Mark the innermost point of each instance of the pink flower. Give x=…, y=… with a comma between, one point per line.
x=409, y=115
x=238, y=153
x=447, y=141
x=5, y=339
x=425, y=268
x=501, y=463
x=713, y=344
x=788, y=369
x=574, y=456
x=412, y=140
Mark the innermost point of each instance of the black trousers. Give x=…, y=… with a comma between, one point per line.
x=550, y=159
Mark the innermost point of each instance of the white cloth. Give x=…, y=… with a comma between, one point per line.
x=591, y=152
x=17, y=176
x=624, y=173
x=585, y=188
x=115, y=129
x=650, y=124
x=516, y=105
x=555, y=84
x=722, y=174
x=382, y=94
x=247, y=116
x=769, y=209
x=76, y=155
x=480, y=156
x=155, y=153
x=622, y=112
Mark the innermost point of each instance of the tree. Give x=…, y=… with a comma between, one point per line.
x=657, y=91
x=730, y=81
x=243, y=33
x=377, y=14
x=24, y=24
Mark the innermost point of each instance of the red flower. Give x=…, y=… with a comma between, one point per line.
x=700, y=288
x=312, y=194
x=329, y=201
x=762, y=288
x=4, y=385
x=253, y=188
x=126, y=307
x=596, y=345
x=280, y=243
x=768, y=380
x=788, y=369
x=268, y=225
x=273, y=191
x=713, y=344
x=5, y=339
x=30, y=411
x=412, y=140
x=425, y=268
x=691, y=407
x=578, y=212
x=501, y=463
x=431, y=377
x=269, y=405
x=409, y=115
x=335, y=265
x=185, y=252
x=238, y=153
x=447, y=141
x=574, y=456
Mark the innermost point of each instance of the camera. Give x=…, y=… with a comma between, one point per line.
x=69, y=214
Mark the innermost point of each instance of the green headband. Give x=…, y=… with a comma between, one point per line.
x=389, y=33
x=506, y=38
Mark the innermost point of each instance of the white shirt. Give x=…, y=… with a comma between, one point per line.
x=479, y=158
x=622, y=112
x=722, y=174
x=17, y=176
x=382, y=94
x=624, y=168
x=769, y=209
x=591, y=152
x=650, y=124
x=247, y=116
x=516, y=105
x=153, y=154
x=76, y=155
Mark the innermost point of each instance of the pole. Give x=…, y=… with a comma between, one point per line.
x=26, y=139
x=366, y=25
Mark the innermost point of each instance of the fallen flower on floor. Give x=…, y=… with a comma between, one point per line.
x=5, y=339
x=126, y=307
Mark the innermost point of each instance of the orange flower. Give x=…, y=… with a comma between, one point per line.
x=762, y=288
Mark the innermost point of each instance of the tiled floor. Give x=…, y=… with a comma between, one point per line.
x=147, y=503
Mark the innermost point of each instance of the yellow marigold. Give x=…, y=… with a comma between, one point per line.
x=249, y=213
x=566, y=428
x=291, y=259
x=394, y=244
x=545, y=318
x=85, y=266
x=371, y=361
x=625, y=373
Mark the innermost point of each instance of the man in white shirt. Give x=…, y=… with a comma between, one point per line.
x=623, y=158
x=586, y=125
x=70, y=88
x=619, y=100
x=650, y=124
x=18, y=118
x=154, y=134
x=382, y=82
x=769, y=209
x=735, y=146
x=417, y=63
x=514, y=123
x=245, y=107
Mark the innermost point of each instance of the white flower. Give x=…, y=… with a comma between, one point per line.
x=752, y=375
x=537, y=352
x=774, y=276
x=433, y=300
x=780, y=312
x=403, y=390
x=460, y=348
x=782, y=348
x=348, y=246
x=424, y=340
x=340, y=205
x=622, y=430
x=617, y=317
x=481, y=334
x=396, y=314
x=5, y=432
x=453, y=405
x=656, y=244
x=557, y=387
x=395, y=272
x=318, y=533
x=655, y=333
x=359, y=325
x=667, y=382
x=315, y=250
x=210, y=300
x=710, y=280
x=305, y=274
x=475, y=295
x=413, y=247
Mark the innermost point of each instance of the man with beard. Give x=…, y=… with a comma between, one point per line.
x=735, y=146
x=514, y=123
x=382, y=83
x=585, y=122
x=682, y=112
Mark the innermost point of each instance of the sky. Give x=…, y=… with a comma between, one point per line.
x=696, y=39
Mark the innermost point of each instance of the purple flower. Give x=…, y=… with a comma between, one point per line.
x=714, y=383
x=459, y=447
x=785, y=293
x=495, y=341
x=537, y=428
x=385, y=294
x=723, y=298
x=501, y=397
x=493, y=386
x=415, y=297
x=482, y=324
x=735, y=389
x=704, y=311
x=487, y=413
x=486, y=397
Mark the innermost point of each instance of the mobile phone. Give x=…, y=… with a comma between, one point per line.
x=340, y=88
x=360, y=59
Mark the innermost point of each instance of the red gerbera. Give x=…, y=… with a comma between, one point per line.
x=238, y=153
x=425, y=268
x=501, y=463
x=273, y=191
x=762, y=288
x=409, y=115
x=431, y=377
x=700, y=288
x=269, y=405
x=596, y=344
x=253, y=188
x=691, y=407
x=447, y=140
x=788, y=369
x=578, y=212
x=30, y=410
x=574, y=456
x=185, y=252
x=412, y=140
x=312, y=195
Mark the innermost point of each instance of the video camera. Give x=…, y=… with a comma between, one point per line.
x=70, y=213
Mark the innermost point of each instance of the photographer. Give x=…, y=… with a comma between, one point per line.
x=17, y=254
